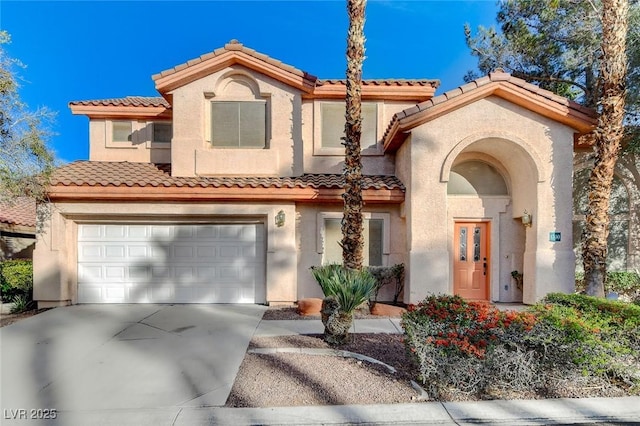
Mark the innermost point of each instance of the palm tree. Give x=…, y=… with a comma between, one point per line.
x=337, y=319
x=608, y=135
x=352, y=223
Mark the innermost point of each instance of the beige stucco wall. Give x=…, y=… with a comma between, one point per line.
x=55, y=257
x=140, y=150
x=309, y=245
x=533, y=153
x=193, y=155
x=317, y=160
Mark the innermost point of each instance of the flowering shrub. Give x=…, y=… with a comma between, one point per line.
x=473, y=348
x=464, y=327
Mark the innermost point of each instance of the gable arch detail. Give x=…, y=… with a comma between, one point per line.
x=527, y=149
x=237, y=84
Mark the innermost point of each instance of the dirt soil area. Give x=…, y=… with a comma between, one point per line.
x=6, y=319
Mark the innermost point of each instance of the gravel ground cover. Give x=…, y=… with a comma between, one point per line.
x=293, y=379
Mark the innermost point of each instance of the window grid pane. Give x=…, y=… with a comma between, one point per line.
x=463, y=244
x=333, y=121
x=252, y=124
x=225, y=121
x=122, y=131
x=476, y=244
x=238, y=124
x=162, y=132
x=373, y=240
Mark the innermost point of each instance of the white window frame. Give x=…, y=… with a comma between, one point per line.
x=319, y=150
x=386, y=231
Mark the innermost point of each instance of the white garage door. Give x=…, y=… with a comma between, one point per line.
x=144, y=263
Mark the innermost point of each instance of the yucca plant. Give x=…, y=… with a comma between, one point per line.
x=345, y=290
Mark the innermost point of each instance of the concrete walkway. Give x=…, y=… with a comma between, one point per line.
x=175, y=365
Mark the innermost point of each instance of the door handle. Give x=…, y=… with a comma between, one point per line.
x=484, y=266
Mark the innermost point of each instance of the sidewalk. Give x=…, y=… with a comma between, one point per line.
x=610, y=411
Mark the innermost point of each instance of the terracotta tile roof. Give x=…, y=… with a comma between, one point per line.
x=135, y=101
x=384, y=82
x=21, y=212
x=119, y=174
x=235, y=45
x=499, y=76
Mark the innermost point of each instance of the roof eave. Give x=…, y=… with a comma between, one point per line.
x=375, y=92
x=120, y=111
x=60, y=193
x=568, y=113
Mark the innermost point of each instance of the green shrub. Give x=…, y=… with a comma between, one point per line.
x=604, y=328
x=351, y=288
x=16, y=278
x=626, y=284
x=21, y=303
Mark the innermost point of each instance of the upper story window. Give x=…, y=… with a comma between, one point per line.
x=121, y=131
x=238, y=124
x=329, y=141
x=162, y=132
x=238, y=113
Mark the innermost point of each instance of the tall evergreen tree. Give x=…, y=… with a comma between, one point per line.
x=25, y=159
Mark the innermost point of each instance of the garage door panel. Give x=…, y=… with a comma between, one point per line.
x=90, y=272
x=117, y=232
x=116, y=252
x=183, y=252
x=149, y=263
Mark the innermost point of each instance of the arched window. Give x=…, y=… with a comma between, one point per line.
x=475, y=178
x=618, y=241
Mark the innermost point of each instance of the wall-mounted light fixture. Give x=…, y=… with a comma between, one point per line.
x=526, y=219
x=280, y=219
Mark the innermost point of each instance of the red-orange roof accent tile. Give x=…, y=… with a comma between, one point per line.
x=384, y=82
x=135, y=101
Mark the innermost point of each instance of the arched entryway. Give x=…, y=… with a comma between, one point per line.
x=490, y=182
x=476, y=191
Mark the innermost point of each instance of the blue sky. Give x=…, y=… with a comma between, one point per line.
x=81, y=50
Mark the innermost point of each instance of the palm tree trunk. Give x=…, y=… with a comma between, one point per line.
x=352, y=223
x=608, y=135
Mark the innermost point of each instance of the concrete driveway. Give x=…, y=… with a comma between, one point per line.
x=124, y=357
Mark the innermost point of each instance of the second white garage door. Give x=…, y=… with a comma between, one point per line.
x=158, y=263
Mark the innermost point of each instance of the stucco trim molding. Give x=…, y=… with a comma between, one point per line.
x=528, y=149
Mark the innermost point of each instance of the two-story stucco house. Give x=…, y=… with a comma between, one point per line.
x=227, y=188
